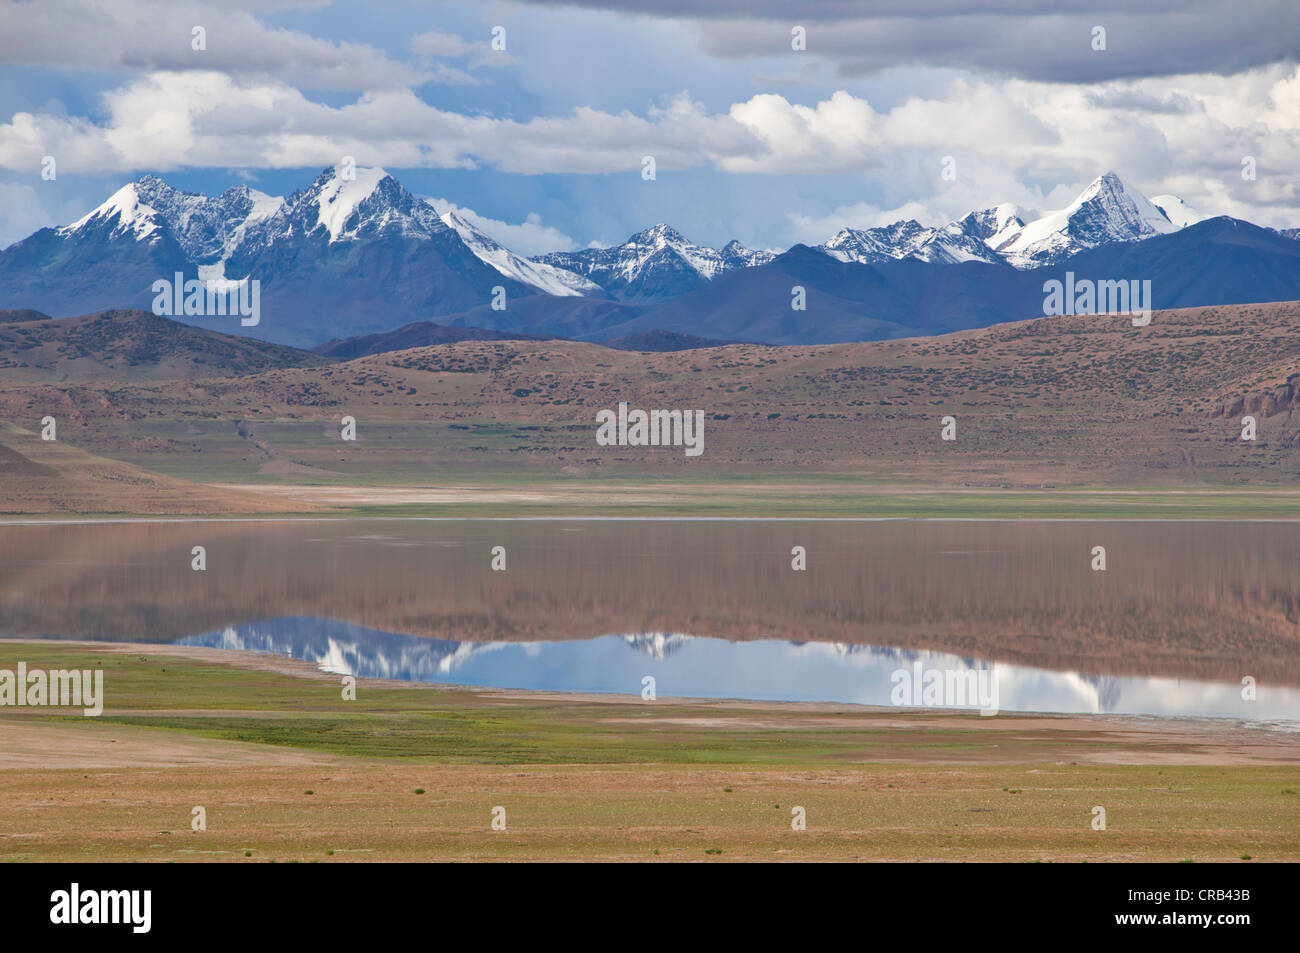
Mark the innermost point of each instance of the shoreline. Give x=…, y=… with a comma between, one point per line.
x=1182, y=728
x=649, y=498
x=274, y=662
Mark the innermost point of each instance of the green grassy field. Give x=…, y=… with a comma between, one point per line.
x=457, y=725
x=413, y=773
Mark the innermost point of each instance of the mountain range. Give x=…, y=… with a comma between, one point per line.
x=655, y=264
x=355, y=254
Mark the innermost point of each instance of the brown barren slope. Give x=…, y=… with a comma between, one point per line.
x=1082, y=399
x=130, y=345
x=40, y=476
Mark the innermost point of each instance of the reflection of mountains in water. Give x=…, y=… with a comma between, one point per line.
x=1106, y=688
x=347, y=648
x=338, y=646
x=657, y=645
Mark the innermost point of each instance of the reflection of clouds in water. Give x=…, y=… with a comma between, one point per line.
x=685, y=665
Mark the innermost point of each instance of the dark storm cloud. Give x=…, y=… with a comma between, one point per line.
x=1170, y=102
x=1027, y=39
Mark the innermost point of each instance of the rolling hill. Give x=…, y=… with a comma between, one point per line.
x=415, y=334
x=1072, y=399
x=657, y=339
x=132, y=345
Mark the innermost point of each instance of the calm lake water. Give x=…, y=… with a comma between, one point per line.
x=1181, y=614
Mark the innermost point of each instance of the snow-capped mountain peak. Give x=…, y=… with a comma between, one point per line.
x=366, y=203
x=706, y=262
x=337, y=197
x=656, y=262
x=1106, y=211
x=127, y=207
x=872, y=245
x=547, y=279
x=1179, y=213
x=207, y=229
x=954, y=243
x=736, y=255
x=993, y=225
x=659, y=236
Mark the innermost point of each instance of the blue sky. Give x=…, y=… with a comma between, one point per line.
x=542, y=142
